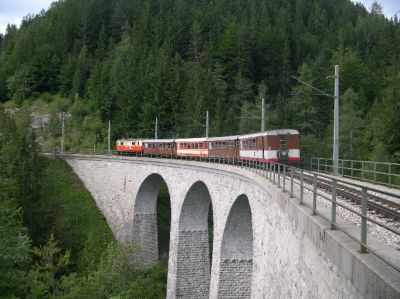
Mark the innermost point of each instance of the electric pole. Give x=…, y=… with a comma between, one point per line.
x=336, y=124
x=207, y=124
x=262, y=115
x=109, y=137
x=155, y=130
x=62, y=133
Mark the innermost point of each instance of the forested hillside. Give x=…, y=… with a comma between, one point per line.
x=133, y=61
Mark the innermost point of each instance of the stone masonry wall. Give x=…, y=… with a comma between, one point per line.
x=193, y=270
x=234, y=287
x=145, y=237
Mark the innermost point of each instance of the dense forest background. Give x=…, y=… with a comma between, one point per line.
x=132, y=61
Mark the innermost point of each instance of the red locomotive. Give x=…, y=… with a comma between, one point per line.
x=270, y=146
x=129, y=145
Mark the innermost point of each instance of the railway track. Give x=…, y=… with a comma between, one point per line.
x=385, y=207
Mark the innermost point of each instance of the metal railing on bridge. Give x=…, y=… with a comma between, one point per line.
x=320, y=187
x=376, y=172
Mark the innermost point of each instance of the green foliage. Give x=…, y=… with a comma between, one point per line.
x=351, y=125
x=50, y=261
x=382, y=136
x=21, y=84
x=84, y=262
x=163, y=223
x=78, y=224
x=15, y=254
x=117, y=277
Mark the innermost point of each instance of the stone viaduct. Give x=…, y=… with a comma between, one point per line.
x=265, y=245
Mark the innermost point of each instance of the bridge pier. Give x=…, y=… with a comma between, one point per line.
x=193, y=256
x=145, y=235
x=236, y=266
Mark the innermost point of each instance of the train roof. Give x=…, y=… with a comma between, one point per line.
x=129, y=139
x=158, y=140
x=270, y=133
x=191, y=139
x=224, y=138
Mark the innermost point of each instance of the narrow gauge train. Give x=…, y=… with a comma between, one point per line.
x=269, y=146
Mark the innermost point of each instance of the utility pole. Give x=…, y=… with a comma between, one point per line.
x=335, y=97
x=62, y=133
x=207, y=124
x=262, y=115
x=336, y=124
x=109, y=137
x=155, y=130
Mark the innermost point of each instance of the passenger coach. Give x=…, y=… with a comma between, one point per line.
x=163, y=147
x=271, y=146
x=223, y=147
x=192, y=147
